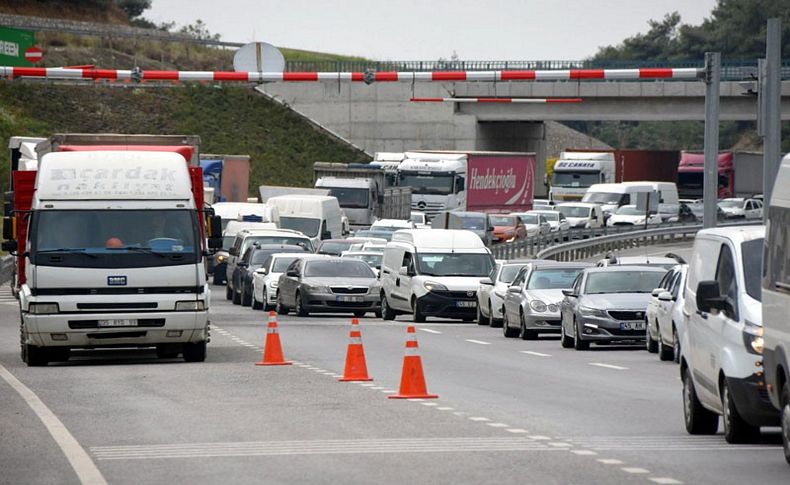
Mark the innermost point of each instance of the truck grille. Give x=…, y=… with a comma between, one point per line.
x=143, y=322
x=429, y=208
x=627, y=315
x=344, y=290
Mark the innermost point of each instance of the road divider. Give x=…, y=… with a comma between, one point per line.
x=273, y=351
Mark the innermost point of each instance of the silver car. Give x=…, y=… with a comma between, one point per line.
x=491, y=291
x=531, y=304
x=607, y=305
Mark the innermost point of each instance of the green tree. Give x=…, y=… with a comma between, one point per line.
x=134, y=8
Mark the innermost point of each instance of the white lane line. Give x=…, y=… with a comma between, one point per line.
x=608, y=366
x=445, y=408
x=429, y=404
x=538, y=437
x=364, y=384
x=479, y=342
x=517, y=430
x=79, y=459
x=377, y=388
x=460, y=413
x=536, y=354
x=429, y=330
x=560, y=444
x=584, y=452
x=479, y=418
x=609, y=461
x=415, y=399
x=665, y=480
x=634, y=470
x=388, y=391
x=498, y=425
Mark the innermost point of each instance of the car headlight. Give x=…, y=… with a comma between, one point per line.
x=190, y=306
x=434, y=286
x=317, y=288
x=538, y=306
x=753, y=337
x=274, y=284
x=43, y=308
x=221, y=258
x=592, y=312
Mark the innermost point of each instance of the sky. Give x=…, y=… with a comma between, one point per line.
x=432, y=29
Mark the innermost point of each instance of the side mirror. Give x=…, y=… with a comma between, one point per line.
x=514, y=289
x=657, y=292
x=568, y=293
x=403, y=271
x=292, y=272
x=326, y=235
x=486, y=281
x=665, y=296
x=9, y=246
x=261, y=271
x=214, y=227
x=242, y=264
x=233, y=252
x=9, y=228
x=215, y=243
x=709, y=297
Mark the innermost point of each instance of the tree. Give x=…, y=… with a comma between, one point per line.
x=199, y=30
x=134, y=8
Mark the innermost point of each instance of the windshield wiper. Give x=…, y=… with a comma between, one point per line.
x=138, y=249
x=67, y=250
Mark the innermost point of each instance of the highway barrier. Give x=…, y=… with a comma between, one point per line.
x=412, y=381
x=356, y=367
x=273, y=351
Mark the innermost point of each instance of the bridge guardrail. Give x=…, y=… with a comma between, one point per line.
x=532, y=245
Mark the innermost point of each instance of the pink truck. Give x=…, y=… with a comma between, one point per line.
x=468, y=180
x=740, y=174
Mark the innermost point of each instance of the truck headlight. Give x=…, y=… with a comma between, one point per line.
x=43, y=308
x=753, y=337
x=190, y=306
x=434, y=286
x=538, y=306
x=592, y=312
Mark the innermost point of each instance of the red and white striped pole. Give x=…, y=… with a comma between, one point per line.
x=497, y=100
x=367, y=77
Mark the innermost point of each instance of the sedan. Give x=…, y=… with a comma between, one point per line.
x=331, y=285
x=607, y=305
x=252, y=260
x=507, y=228
x=531, y=305
x=266, y=278
x=492, y=290
x=535, y=224
x=335, y=247
x=629, y=215
x=557, y=221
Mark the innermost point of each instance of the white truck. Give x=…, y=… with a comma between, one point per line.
x=110, y=236
x=575, y=172
x=363, y=192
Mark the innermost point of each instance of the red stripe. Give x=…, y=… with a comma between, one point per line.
x=356, y=333
x=231, y=76
x=587, y=74
x=426, y=100
x=161, y=75
x=30, y=71
x=513, y=75
x=410, y=329
x=272, y=324
x=494, y=100
x=411, y=344
x=448, y=76
x=300, y=76
x=100, y=73
x=358, y=76
x=657, y=72
x=564, y=100
x=387, y=76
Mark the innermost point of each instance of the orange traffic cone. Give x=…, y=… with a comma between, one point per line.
x=273, y=351
x=356, y=368
x=412, y=381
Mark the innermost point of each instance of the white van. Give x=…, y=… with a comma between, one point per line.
x=582, y=215
x=612, y=196
x=776, y=300
x=316, y=216
x=232, y=211
x=433, y=272
x=721, y=349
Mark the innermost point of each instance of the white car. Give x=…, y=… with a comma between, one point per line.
x=629, y=215
x=665, y=315
x=491, y=292
x=556, y=220
x=738, y=207
x=536, y=224
x=392, y=225
x=265, y=278
x=721, y=350
x=419, y=219
x=582, y=215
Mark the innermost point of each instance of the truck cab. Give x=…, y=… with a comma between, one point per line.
x=437, y=181
x=356, y=196
x=575, y=172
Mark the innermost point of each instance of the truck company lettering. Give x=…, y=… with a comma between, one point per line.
x=575, y=165
x=135, y=180
x=491, y=180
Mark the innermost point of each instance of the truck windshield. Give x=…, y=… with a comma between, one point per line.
x=350, y=198
x=307, y=226
x=114, y=238
x=575, y=179
x=455, y=264
x=427, y=184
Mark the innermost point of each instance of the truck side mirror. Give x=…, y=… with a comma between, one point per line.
x=9, y=246
x=214, y=226
x=9, y=228
x=215, y=243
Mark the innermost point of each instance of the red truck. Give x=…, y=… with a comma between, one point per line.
x=740, y=174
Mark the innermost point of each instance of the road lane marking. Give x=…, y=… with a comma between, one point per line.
x=635, y=470
x=665, y=480
x=517, y=430
x=498, y=425
x=583, y=452
x=608, y=366
x=429, y=404
x=377, y=388
x=479, y=342
x=479, y=418
x=539, y=437
x=560, y=444
x=429, y=330
x=610, y=461
x=536, y=354
x=445, y=408
x=80, y=461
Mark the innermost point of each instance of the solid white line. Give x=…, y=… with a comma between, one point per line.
x=536, y=354
x=480, y=342
x=635, y=470
x=479, y=418
x=516, y=430
x=560, y=444
x=609, y=366
x=539, y=437
x=445, y=408
x=498, y=425
x=609, y=461
x=665, y=480
x=80, y=461
x=429, y=404
x=584, y=452
x=429, y=330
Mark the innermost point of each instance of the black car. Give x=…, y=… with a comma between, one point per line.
x=253, y=258
x=335, y=247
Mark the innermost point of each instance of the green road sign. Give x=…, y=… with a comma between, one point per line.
x=13, y=44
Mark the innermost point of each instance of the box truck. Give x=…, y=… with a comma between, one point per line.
x=740, y=174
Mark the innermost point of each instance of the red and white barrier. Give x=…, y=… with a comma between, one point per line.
x=497, y=100
x=366, y=77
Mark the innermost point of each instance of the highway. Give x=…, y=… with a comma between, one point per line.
x=509, y=411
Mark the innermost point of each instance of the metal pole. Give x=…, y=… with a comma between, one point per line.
x=711, y=180
x=772, y=138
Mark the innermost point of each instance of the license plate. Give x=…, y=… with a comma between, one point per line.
x=466, y=304
x=632, y=325
x=352, y=299
x=126, y=322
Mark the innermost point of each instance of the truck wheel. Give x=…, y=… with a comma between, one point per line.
x=698, y=419
x=166, y=351
x=228, y=293
x=246, y=298
x=387, y=313
x=418, y=316
x=785, y=416
x=650, y=343
x=195, y=352
x=36, y=356
x=736, y=430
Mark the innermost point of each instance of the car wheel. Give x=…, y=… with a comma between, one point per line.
x=665, y=352
x=491, y=321
x=786, y=421
x=194, y=352
x=526, y=334
x=246, y=298
x=377, y=313
x=565, y=340
x=256, y=305
x=698, y=420
x=481, y=320
x=300, y=310
x=578, y=343
x=236, y=297
x=675, y=345
x=507, y=331
x=387, y=313
x=736, y=430
x=228, y=293
x=418, y=316
x=650, y=343
x=281, y=309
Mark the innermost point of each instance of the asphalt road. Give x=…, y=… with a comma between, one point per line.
x=509, y=411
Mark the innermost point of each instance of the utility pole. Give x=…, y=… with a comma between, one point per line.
x=710, y=189
x=770, y=91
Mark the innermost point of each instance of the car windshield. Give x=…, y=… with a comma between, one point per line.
x=115, y=238
x=547, y=207
x=622, y=282
x=602, y=197
x=503, y=220
x=350, y=198
x=455, y=264
x=283, y=240
x=552, y=278
x=551, y=215
x=574, y=211
x=346, y=268
x=307, y=226
x=530, y=219
x=509, y=272
x=227, y=242
x=334, y=247
x=752, y=266
x=728, y=203
x=575, y=179
x=427, y=183
x=282, y=263
x=629, y=210
x=386, y=235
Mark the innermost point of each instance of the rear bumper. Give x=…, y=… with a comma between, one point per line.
x=436, y=305
x=331, y=303
x=752, y=401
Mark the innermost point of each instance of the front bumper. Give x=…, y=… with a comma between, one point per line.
x=752, y=401
x=605, y=329
x=82, y=330
x=332, y=303
x=548, y=322
x=449, y=305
